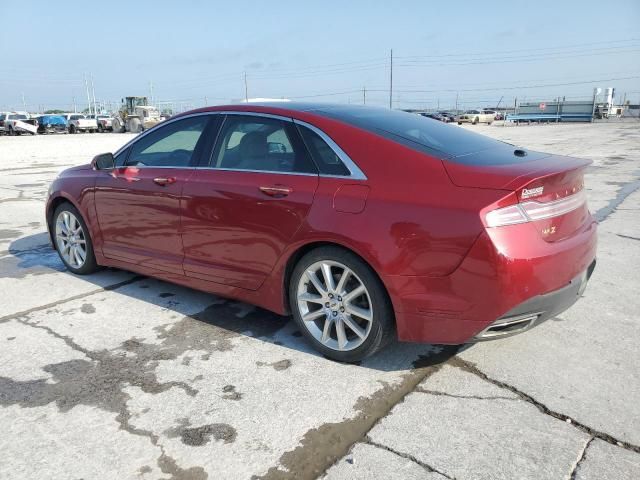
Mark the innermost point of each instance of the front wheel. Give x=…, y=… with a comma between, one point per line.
x=340, y=304
x=72, y=240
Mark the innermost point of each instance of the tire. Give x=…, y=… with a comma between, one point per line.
x=459, y=123
x=475, y=121
x=11, y=132
x=72, y=129
x=135, y=126
x=100, y=129
x=58, y=227
x=489, y=123
x=332, y=310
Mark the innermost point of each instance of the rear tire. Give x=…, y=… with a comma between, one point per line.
x=340, y=323
x=71, y=235
x=72, y=129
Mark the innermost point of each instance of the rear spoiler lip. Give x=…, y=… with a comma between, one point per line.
x=510, y=176
x=574, y=163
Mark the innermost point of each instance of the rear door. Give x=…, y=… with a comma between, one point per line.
x=243, y=209
x=138, y=203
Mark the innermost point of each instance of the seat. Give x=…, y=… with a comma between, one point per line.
x=254, y=153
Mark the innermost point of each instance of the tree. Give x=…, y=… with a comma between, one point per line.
x=54, y=112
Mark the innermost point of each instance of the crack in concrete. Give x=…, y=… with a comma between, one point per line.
x=419, y=389
x=471, y=368
x=627, y=236
x=322, y=447
x=406, y=456
x=114, y=286
x=621, y=196
x=580, y=459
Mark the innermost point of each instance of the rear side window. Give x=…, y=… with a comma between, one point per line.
x=323, y=155
x=449, y=142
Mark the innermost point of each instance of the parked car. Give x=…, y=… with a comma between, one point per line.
x=105, y=122
x=474, y=117
x=496, y=115
x=77, y=122
x=435, y=116
x=17, y=123
x=52, y=124
x=461, y=238
x=449, y=117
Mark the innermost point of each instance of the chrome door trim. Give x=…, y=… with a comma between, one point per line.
x=355, y=172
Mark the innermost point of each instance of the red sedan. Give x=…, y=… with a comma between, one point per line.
x=363, y=223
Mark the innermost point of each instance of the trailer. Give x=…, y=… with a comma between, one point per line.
x=552, y=112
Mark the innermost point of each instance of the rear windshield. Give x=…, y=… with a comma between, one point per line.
x=413, y=130
x=17, y=117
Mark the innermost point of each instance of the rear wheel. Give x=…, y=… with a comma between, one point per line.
x=475, y=121
x=72, y=129
x=340, y=304
x=72, y=240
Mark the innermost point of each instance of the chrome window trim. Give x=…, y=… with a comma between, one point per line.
x=276, y=172
x=161, y=124
x=356, y=173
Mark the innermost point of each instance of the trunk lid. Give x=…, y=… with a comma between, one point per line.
x=548, y=188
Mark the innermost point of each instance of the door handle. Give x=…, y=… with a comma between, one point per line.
x=276, y=190
x=164, y=181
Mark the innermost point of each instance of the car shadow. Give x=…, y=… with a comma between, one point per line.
x=32, y=255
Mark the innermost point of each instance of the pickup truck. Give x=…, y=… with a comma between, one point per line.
x=17, y=123
x=105, y=122
x=77, y=122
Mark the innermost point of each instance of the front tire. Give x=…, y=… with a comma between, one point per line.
x=72, y=240
x=340, y=304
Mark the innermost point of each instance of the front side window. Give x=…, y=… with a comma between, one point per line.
x=261, y=144
x=323, y=155
x=171, y=145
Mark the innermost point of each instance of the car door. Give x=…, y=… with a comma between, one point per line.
x=243, y=209
x=138, y=202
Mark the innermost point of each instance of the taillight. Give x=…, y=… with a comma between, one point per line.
x=532, y=211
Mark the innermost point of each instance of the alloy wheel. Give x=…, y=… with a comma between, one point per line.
x=71, y=239
x=335, y=305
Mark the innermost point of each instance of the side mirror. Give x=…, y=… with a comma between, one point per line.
x=104, y=161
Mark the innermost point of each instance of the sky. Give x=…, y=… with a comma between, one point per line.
x=187, y=53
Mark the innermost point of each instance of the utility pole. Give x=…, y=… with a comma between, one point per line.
x=206, y=102
x=364, y=95
x=151, y=91
x=24, y=105
x=246, y=89
x=86, y=87
x=456, y=102
x=93, y=92
x=391, y=80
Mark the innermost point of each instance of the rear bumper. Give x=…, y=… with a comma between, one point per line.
x=537, y=309
x=508, y=272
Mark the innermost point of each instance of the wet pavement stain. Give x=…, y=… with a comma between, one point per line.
x=214, y=328
x=167, y=295
x=87, y=308
x=230, y=393
x=279, y=365
x=198, y=436
x=38, y=260
x=321, y=447
x=6, y=233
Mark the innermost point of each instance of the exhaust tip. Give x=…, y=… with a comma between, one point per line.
x=504, y=327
